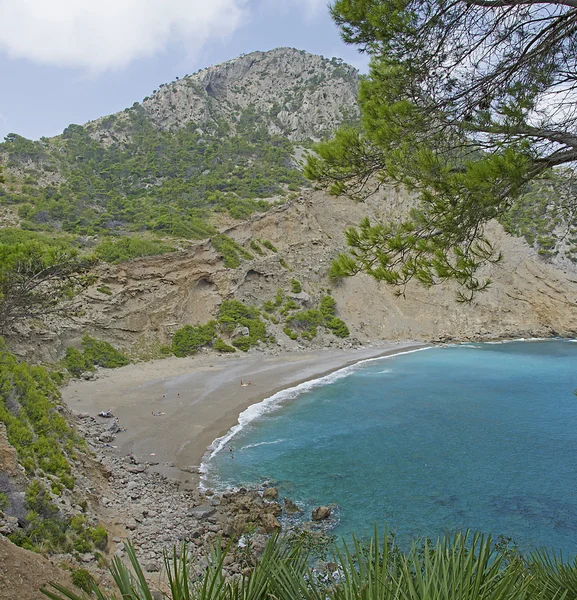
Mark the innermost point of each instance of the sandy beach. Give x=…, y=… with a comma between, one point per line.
x=199, y=398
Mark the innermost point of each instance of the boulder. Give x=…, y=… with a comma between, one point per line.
x=320, y=513
x=290, y=507
x=202, y=512
x=302, y=297
x=270, y=523
x=270, y=493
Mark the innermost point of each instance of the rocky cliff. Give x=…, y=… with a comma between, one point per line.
x=297, y=94
x=152, y=297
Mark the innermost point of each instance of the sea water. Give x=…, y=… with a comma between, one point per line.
x=476, y=436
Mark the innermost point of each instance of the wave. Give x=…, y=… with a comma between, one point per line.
x=255, y=411
x=279, y=441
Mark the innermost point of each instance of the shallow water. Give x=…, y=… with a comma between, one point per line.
x=477, y=436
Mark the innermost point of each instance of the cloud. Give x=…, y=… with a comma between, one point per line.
x=109, y=34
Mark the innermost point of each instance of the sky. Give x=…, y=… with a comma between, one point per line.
x=71, y=61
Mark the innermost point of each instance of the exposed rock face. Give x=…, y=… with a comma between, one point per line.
x=299, y=95
x=290, y=507
x=154, y=296
x=321, y=513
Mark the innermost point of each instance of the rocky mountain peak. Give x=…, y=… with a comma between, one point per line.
x=295, y=94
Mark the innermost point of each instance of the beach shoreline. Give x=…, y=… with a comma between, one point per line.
x=175, y=409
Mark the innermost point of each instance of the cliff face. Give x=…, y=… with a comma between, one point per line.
x=298, y=95
x=152, y=297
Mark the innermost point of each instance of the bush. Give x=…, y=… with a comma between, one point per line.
x=268, y=245
x=293, y=335
x=296, y=287
x=338, y=327
x=305, y=319
x=188, y=339
x=254, y=245
x=230, y=251
x=99, y=537
x=127, y=248
x=233, y=313
x=103, y=354
x=76, y=363
x=221, y=346
x=3, y=501
x=104, y=289
x=82, y=579
x=328, y=306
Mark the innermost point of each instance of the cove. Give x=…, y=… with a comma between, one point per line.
x=472, y=436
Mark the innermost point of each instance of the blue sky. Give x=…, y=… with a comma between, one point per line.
x=70, y=61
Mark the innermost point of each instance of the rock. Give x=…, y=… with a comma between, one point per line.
x=320, y=513
x=86, y=558
x=290, y=507
x=270, y=523
x=270, y=493
x=8, y=525
x=241, y=332
x=152, y=567
x=274, y=508
x=136, y=469
x=88, y=375
x=202, y=512
x=131, y=524
x=301, y=297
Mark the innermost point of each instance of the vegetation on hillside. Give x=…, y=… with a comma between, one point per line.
x=161, y=181
x=38, y=276
x=45, y=445
x=459, y=567
x=466, y=103
x=232, y=315
x=95, y=353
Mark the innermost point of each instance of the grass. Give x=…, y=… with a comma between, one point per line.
x=463, y=566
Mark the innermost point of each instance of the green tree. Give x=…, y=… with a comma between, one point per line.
x=465, y=103
x=37, y=279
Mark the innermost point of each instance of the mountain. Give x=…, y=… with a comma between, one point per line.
x=221, y=140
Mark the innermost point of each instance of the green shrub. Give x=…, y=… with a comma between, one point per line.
x=230, y=251
x=338, y=327
x=288, y=306
x=305, y=319
x=268, y=245
x=104, y=289
x=296, y=287
x=254, y=245
x=328, y=306
x=293, y=335
x=279, y=298
x=3, y=501
x=283, y=263
x=221, y=346
x=103, y=354
x=127, y=248
x=309, y=334
x=76, y=362
x=82, y=579
x=233, y=313
x=99, y=537
x=188, y=339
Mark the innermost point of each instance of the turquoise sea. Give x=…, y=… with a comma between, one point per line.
x=474, y=436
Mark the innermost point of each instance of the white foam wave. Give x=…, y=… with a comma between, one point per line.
x=279, y=441
x=255, y=411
